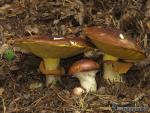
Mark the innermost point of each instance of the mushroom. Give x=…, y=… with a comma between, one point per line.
x=51, y=50
x=78, y=91
x=85, y=70
x=115, y=45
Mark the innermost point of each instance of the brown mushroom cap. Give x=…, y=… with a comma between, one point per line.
x=110, y=42
x=45, y=47
x=83, y=65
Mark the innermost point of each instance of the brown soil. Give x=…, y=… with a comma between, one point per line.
x=21, y=18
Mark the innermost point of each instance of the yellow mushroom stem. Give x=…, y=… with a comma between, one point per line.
x=52, y=80
x=51, y=63
x=51, y=68
x=109, y=73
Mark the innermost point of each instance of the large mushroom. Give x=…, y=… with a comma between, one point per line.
x=85, y=70
x=51, y=50
x=115, y=45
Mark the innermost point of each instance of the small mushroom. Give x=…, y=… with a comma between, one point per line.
x=51, y=50
x=85, y=70
x=78, y=91
x=115, y=45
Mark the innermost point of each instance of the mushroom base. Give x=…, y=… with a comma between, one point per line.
x=52, y=80
x=87, y=80
x=112, y=76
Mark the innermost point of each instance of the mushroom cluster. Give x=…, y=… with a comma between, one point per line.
x=120, y=53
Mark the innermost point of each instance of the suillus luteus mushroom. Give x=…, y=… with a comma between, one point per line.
x=85, y=70
x=51, y=50
x=115, y=45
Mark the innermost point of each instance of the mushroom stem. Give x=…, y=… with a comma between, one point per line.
x=109, y=73
x=51, y=63
x=87, y=80
x=52, y=80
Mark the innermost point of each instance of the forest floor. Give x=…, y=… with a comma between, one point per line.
x=21, y=90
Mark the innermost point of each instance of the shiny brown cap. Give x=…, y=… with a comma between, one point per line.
x=83, y=65
x=46, y=47
x=115, y=43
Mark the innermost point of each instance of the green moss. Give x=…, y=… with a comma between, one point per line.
x=9, y=54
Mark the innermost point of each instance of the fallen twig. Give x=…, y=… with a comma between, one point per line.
x=4, y=107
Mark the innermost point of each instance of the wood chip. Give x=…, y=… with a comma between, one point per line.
x=1, y=91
